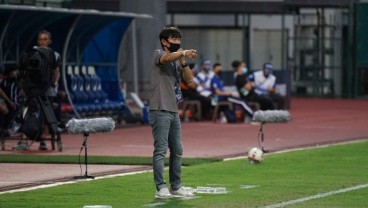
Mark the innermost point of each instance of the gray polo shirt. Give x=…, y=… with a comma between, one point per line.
x=163, y=83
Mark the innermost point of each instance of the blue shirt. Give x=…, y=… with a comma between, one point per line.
x=216, y=84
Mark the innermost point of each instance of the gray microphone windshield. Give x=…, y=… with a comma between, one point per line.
x=271, y=116
x=93, y=125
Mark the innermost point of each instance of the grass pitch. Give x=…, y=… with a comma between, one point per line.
x=279, y=178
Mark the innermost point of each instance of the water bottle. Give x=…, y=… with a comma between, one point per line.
x=222, y=117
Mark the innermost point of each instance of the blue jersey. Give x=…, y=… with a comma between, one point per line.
x=216, y=84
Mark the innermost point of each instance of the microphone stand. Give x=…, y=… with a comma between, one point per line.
x=261, y=134
x=85, y=176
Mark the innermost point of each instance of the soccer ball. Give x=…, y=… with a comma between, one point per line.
x=255, y=155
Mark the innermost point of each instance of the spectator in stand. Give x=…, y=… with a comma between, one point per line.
x=265, y=84
x=246, y=88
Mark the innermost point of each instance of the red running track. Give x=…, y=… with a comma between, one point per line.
x=314, y=122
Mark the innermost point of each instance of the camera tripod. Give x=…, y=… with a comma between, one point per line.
x=49, y=119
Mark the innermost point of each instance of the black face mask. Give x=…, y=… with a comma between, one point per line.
x=174, y=47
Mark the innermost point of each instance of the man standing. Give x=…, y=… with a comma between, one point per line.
x=168, y=65
x=44, y=40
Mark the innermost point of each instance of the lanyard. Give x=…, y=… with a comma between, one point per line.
x=175, y=73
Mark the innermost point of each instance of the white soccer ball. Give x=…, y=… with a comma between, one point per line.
x=255, y=155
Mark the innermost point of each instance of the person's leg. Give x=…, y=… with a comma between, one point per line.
x=160, y=122
x=264, y=101
x=57, y=110
x=45, y=130
x=4, y=111
x=176, y=152
x=279, y=99
x=206, y=105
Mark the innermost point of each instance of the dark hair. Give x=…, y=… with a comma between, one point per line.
x=167, y=32
x=235, y=64
x=44, y=32
x=216, y=65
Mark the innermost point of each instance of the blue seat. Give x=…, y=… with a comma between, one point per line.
x=96, y=87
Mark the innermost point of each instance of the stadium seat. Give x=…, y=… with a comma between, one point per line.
x=83, y=97
x=87, y=84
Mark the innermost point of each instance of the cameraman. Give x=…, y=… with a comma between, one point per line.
x=44, y=40
x=40, y=74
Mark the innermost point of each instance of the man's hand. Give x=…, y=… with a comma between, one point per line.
x=191, y=53
x=271, y=90
x=249, y=86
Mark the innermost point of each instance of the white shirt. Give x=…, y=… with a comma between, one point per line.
x=262, y=83
x=203, y=82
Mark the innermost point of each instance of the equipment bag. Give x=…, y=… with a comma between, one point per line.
x=33, y=121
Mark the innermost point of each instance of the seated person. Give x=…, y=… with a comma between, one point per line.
x=3, y=112
x=246, y=88
x=11, y=92
x=193, y=94
x=221, y=95
x=203, y=79
x=265, y=84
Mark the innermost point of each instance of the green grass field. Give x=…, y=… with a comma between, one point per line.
x=279, y=178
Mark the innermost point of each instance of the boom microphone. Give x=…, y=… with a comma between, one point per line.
x=93, y=125
x=271, y=116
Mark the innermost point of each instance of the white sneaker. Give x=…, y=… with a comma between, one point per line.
x=181, y=192
x=21, y=145
x=163, y=193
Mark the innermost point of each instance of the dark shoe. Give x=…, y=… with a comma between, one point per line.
x=43, y=146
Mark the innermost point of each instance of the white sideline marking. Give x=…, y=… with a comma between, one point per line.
x=248, y=186
x=71, y=182
x=155, y=204
x=296, y=201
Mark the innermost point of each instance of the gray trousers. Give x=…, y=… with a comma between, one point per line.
x=166, y=131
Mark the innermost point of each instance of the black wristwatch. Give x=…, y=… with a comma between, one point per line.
x=184, y=65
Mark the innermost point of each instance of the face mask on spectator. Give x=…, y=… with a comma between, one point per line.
x=244, y=70
x=267, y=69
x=207, y=68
